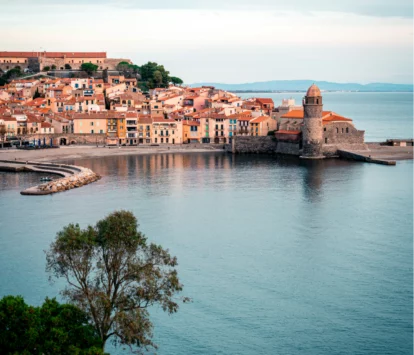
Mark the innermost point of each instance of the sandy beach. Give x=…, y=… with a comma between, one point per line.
x=77, y=152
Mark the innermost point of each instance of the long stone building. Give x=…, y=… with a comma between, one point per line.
x=36, y=61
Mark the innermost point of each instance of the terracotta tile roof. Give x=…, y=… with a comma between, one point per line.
x=333, y=117
x=293, y=114
x=259, y=119
x=190, y=123
x=144, y=120
x=163, y=120
x=288, y=132
x=264, y=100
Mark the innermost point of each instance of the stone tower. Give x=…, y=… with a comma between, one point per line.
x=312, y=132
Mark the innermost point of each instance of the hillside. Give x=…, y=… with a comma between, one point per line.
x=302, y=85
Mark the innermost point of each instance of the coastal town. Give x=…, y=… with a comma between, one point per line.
x=59, y=104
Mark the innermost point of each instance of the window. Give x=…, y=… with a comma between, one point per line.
x=155, y=140
x=324, y=129
x=91, y=123
x=326, y=140
x=162, y=140
x=222, y=126
x=216, y=126
x=337, y=130
x=347, y=130
x=166, y=140
x=92, y=131
x=155, y=132
x=101, y=131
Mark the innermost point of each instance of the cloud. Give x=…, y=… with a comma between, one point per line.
x=375, y=8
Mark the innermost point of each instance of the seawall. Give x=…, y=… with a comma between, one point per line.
x=72, y=176
x=262, y=145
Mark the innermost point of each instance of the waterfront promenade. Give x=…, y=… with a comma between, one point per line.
x=78, y=152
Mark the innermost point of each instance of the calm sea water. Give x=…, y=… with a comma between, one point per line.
x=381, y=115
x=280, y=256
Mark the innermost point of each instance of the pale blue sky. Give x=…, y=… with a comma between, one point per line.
x=228, y=41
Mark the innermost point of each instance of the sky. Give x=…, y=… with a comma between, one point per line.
x=227, y=41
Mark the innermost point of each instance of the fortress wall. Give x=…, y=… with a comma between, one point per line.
x=263, y=145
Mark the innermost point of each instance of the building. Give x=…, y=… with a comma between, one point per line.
x=262, y=125
x=37, y=61
x=319, y=133
x=191, y=132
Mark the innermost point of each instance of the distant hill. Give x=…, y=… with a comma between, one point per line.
x=302, y=85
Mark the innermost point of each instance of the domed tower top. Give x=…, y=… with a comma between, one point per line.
x=313, y=96
x=313, y=91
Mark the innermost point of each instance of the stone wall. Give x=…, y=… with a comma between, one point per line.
x=254, y=144
x=84, y=177
x=67, y=139
x=289, y=148
x=342, y=136
x=262, y=145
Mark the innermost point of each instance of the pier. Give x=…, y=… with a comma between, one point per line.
x=71, y=176
x=379, y=154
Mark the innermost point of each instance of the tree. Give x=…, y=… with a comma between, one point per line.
x=53, y=67
x=157, y=78
x=114, y=275
x=176, y=81
x=89, y=68
x=148, y=73
x=67, y=66
x=46, y=68
x=52, y=328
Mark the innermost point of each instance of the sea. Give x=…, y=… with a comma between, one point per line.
x=278, y=255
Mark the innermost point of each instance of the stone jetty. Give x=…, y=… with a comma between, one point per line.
x=72, y=176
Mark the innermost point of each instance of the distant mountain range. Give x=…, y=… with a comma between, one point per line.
x=302, y=85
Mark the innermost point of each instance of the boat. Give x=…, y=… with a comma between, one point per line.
x=47, y=178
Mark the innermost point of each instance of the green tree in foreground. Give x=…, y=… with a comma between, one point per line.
x=114, y=275
x=52, y=328
x=46, y=68
x=89, y=68
x=67, y=66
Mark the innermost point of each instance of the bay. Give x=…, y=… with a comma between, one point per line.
x=279, y=255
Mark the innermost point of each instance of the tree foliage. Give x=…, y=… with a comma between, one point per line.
x=176, y=81
x=127, y=69
x=46, y=68
x=10, y=75
x=154, y=75
x=90, y=68
x=67, y=66
x=114, y=275
x=52, y=328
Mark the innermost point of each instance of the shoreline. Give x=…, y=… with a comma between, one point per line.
x=83, y=152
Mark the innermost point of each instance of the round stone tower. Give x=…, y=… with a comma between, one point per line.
x=312, y=132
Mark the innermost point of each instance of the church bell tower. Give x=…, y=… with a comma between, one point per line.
x=312, y=132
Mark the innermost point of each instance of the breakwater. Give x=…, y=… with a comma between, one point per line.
x=72, y=176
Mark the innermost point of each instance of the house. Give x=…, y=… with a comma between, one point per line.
x=166, y=131
x=90, y=122
x=144, y=129
x=262, y=125
x=191, y=131
x=46, y=128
